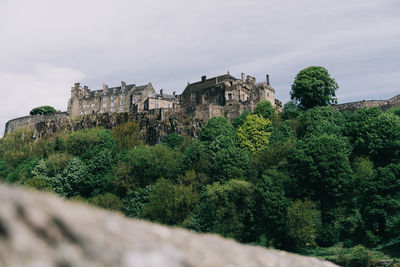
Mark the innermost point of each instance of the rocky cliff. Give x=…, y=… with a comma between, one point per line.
x=38, y=229
x=154, y=125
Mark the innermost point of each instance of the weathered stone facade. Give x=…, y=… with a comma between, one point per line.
x=126, y=98
x=225, y=95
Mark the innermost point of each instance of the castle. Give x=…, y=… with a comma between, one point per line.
x=223, y=95
x=160, y=114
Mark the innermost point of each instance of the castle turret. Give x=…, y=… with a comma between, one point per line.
x=73, y=104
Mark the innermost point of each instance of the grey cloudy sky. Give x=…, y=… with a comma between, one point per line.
x=48, y=45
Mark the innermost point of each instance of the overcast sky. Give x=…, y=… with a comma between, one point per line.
x=48, y=45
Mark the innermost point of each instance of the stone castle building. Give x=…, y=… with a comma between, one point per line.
x=223, y=95
x=125, y=98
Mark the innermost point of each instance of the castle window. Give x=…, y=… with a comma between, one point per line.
x=105, y=98
x=229, y=96
x=168, y=105
x=112, y=98
x=192, y=96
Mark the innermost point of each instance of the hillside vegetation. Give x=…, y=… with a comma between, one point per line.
x=314, y=181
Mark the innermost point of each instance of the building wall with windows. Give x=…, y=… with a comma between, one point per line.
x=124, y=98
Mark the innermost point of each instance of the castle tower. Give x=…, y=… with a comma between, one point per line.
x=73, y=104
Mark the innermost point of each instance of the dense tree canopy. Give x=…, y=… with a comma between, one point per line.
x=313, y=86
x=43, y=110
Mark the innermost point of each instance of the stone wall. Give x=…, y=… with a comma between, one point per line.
x=383, y=104
x=32, y=120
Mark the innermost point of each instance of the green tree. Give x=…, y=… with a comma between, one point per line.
x=134, y=201
x=3, y=170
x=107, y=201
x=319, y=120
x=269, y=210
x=376, y=135
x=43, y=110
x=380, y=200
x=168, y=203
x=22, y=172
x=173, y=140
x=17, y=146
x=264, y=109
x=313, y=86
x=254, y=133
x=57, y=162
x=303, y=220
x=223, y=209
x=75, y=180
x=227, y=160
x=215, y=127
x=143, y=166
x=321, y=166
x=127, y=135
x=240, y=119
x=195, y=156
x=290, y=111
x=282, y=133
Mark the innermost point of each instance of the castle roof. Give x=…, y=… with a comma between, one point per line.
x=205, y=83
x=116, y=90
x=164, y=97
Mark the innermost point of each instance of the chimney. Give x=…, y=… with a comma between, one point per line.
x=242, y=76
x=85, y=88
x=162, y=92
x=123, y=85
x=105, y=88
x=77, y=85
x=203, y=78
x=174, y=93
x=268, y=79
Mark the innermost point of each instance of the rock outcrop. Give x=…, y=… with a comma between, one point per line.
x=154, y=125
x=38, y=229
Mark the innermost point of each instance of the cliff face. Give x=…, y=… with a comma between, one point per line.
x=38, y=229
x=154, y=125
